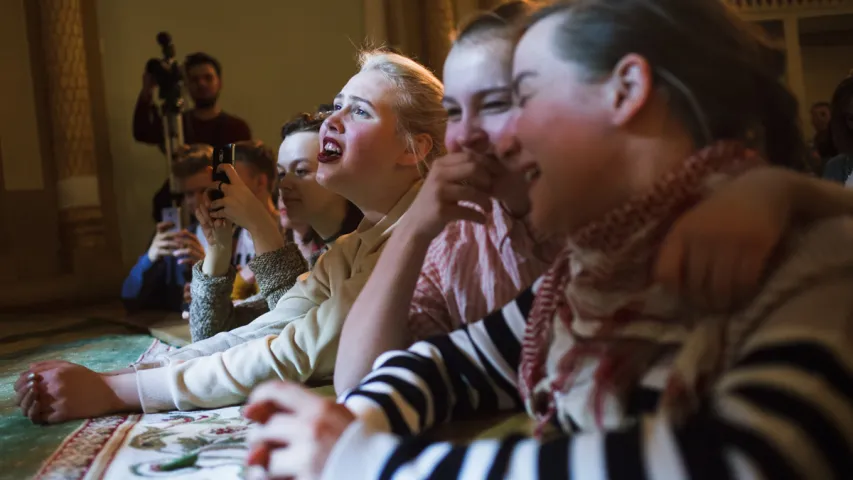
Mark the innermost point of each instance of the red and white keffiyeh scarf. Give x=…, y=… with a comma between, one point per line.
x=601, y=289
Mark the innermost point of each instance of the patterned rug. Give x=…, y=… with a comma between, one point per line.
x=24, y=339
x=193, y=445
x=187, y=445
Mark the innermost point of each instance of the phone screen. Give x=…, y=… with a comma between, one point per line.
x=173, y=216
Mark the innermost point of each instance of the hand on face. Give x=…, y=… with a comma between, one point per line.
x=239, y=205
x=454, y=178
x=58, y=391
x=510, y=188
x=298, y=430
x=716, y=253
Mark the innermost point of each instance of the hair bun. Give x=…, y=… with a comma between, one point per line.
x=512, y=11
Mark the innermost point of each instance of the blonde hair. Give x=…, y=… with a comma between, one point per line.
x=419, y=108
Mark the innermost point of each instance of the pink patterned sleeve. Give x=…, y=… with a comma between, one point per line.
x=428, y=312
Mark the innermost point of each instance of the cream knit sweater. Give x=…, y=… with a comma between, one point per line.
x=298, y=340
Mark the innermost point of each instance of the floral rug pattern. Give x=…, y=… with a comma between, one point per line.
x=207, y=444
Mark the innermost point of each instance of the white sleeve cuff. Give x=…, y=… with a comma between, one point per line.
x=360, y=453
x=153, y=389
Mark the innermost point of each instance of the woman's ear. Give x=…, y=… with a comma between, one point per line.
x=629, y=88
x=418, y=148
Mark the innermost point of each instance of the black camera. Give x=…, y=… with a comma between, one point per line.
x=167, y=72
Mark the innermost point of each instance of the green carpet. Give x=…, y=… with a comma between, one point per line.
x=93, y=343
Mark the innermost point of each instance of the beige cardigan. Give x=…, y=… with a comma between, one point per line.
x=298, y=340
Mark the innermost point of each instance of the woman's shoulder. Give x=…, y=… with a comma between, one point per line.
x=814, y=257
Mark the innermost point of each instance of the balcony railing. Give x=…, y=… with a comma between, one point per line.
x=771, y=6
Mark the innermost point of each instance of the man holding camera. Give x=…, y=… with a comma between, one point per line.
x=205, y=123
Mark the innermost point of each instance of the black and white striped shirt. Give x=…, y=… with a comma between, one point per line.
x=784, y=410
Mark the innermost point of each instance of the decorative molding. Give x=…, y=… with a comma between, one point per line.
x=80, y=191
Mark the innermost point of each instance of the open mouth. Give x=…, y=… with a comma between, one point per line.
x=331, y=151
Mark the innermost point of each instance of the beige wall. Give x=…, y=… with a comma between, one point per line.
x=19, y=139
x=823, y=69
x=278, y=56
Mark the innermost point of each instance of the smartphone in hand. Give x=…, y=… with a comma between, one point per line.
x=174, y=216
x=221, y=155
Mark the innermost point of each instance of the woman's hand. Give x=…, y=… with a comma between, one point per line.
x=716, y=253
x=299, y=430
x=218, y=234
x=58, y=391
x=239, y=204
x=242, y=207
x=510, y=188
x=191, y=251
x=454, y=178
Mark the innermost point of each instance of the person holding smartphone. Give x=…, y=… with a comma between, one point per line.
x=157, y=280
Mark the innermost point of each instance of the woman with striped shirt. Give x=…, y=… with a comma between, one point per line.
x=638, y=382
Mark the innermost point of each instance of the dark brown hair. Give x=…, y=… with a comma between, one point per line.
x=721, y=74
x=259, y=157
x=502, y=20
x=192, y=159
x=306, y=122
x=842, y=137
x=201, y=58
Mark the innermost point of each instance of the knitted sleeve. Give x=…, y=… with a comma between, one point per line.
x=211, y=309
x=276, y=272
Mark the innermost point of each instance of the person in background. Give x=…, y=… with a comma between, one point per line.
x=821, y=146
x=840, y=167
x=255, y=165
x=157, y=280
x=313, y=215
x=325, y=215
x=204, y=123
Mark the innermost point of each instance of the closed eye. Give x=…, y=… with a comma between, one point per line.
x=497, y=106
x=453, y=114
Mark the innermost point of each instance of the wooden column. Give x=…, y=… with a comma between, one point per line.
x=72, y=133
x=794, y=64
